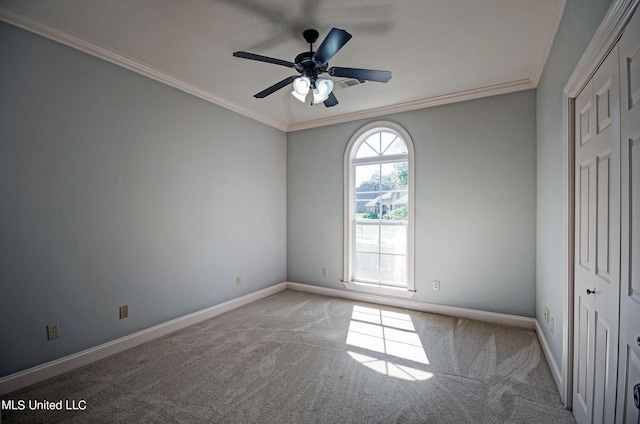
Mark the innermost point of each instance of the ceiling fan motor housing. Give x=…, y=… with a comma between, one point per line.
x=308, y=67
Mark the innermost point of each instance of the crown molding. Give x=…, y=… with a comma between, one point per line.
x=25, y=22
x=549, y=31
x=476, y=93
x=75, y=41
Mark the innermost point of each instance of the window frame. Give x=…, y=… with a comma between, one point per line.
x=349, y=212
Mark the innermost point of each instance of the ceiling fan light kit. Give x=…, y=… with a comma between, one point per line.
x=311, y=64
x=301, y=87
x=324, y=87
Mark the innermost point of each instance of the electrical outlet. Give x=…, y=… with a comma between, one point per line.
x=551, y=325
x=124, y=311
x=53, y=331
x=436, y=285
x=325, y=272
x=238, y=280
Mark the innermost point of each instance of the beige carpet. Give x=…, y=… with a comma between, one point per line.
x=302, y=358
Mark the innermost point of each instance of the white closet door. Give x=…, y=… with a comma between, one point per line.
x=629, y=370
x=597, y=245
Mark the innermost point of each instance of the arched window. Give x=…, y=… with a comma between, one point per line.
x=378, y=212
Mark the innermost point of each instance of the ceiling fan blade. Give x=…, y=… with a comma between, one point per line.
x=331, y=101
x=252, y=56
x=331, y=44
x=360, y=74
x=275, y=87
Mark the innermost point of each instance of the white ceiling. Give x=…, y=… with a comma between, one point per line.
x=439, y=51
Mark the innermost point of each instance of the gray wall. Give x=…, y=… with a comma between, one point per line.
x=581, y=19
x=115, y=189
x=475, y=194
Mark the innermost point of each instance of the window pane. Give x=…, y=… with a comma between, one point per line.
x=393, y=239
x=367, y=266
x=367, y=238
x=387, y=195
x=368, y=174
x=390, y=200
x=393, y=269
x=374, y=141
x=386, y=139
x=400, y=176
x=367, y=191
x=393, y=198
x=366, y=151
x=395, y=176
x=397, y=147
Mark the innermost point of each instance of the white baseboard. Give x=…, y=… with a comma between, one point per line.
x=452, y=311
x=42, y=372
x=490, y=317
x=553, y=365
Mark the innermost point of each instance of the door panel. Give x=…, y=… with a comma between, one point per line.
x=603, y=223
x=581, y=377
x=633, y=217
x=584, y=119
x=629, y=370
x=603, y=105
x=583, y=206
x=601, y=362
x=596, y=271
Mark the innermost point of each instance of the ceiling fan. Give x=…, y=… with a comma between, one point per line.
x=311, y=64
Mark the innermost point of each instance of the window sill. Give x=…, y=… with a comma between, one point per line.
x=371, y=288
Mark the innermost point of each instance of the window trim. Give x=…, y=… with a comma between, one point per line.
x=349, y=210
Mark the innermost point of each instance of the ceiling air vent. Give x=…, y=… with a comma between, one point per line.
x=349, y=83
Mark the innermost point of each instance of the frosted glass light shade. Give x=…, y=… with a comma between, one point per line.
x=322, y=90
x=301, y=86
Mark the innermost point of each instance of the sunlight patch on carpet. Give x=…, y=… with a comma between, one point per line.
x=383, y=335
